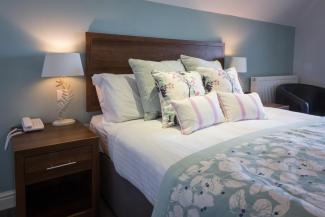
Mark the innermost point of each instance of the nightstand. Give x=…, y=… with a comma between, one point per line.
x=279, y=106
x=56, y=172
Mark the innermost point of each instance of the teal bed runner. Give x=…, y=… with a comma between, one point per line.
x=278, y=172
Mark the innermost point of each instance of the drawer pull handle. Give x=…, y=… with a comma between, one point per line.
x=61, y=165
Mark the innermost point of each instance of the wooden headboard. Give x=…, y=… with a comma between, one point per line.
x=107, y=53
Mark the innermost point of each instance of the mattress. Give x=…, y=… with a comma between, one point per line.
x=142, y=151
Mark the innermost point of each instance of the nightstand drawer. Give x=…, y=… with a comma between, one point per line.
x=57, y=163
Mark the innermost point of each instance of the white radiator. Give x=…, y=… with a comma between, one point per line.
x=265, y=86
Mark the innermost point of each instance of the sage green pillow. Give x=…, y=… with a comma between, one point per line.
x=191, y=63
x=146, y=84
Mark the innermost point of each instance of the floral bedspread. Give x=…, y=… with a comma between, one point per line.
x=277, y=173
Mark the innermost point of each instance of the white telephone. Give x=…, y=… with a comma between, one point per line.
x=29, y=124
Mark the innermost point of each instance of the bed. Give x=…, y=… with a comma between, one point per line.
x=134, y=165
x=106, y=53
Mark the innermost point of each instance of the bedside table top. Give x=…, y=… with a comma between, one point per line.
x=51, y=136
x=275, y=105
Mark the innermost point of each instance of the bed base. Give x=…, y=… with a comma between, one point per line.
x=121, y=196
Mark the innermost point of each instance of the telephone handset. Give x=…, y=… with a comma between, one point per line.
x=29, y=124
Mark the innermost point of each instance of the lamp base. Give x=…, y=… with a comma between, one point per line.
x=63, y=122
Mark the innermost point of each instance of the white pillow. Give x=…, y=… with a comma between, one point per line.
x=198, y=112
x=238, y=107
x=220, y=80
x=176, y=86
x=118, y=97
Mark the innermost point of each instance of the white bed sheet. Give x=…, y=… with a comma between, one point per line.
x=142, y=151
x=97, y=126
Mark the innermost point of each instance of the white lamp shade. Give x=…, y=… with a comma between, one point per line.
x=62, y=64
x=240, y=63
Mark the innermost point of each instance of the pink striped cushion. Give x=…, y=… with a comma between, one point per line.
x=198, y=112
x=238, y=107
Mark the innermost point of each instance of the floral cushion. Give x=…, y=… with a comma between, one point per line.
x=176, y=86
x=220, y=80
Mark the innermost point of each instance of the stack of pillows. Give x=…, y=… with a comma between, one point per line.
x=189, y=92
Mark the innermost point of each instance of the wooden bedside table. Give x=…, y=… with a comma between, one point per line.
x=279, y=106
x=56, y=172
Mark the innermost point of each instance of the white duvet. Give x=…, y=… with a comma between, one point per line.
x=142, y=151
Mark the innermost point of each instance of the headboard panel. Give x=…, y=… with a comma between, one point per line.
x=107, y=53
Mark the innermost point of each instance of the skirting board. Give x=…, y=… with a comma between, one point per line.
x=7, y=200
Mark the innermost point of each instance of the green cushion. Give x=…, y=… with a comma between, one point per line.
x=146, y=84
x=191, y=63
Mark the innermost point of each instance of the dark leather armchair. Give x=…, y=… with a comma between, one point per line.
x=302, y=98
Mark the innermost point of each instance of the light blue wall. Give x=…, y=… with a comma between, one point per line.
x=29, y=28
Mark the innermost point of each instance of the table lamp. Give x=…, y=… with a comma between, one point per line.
x=62, y=65
x=239, y=63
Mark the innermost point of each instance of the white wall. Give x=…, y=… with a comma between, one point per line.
x=309, y=60
x=274, y=11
